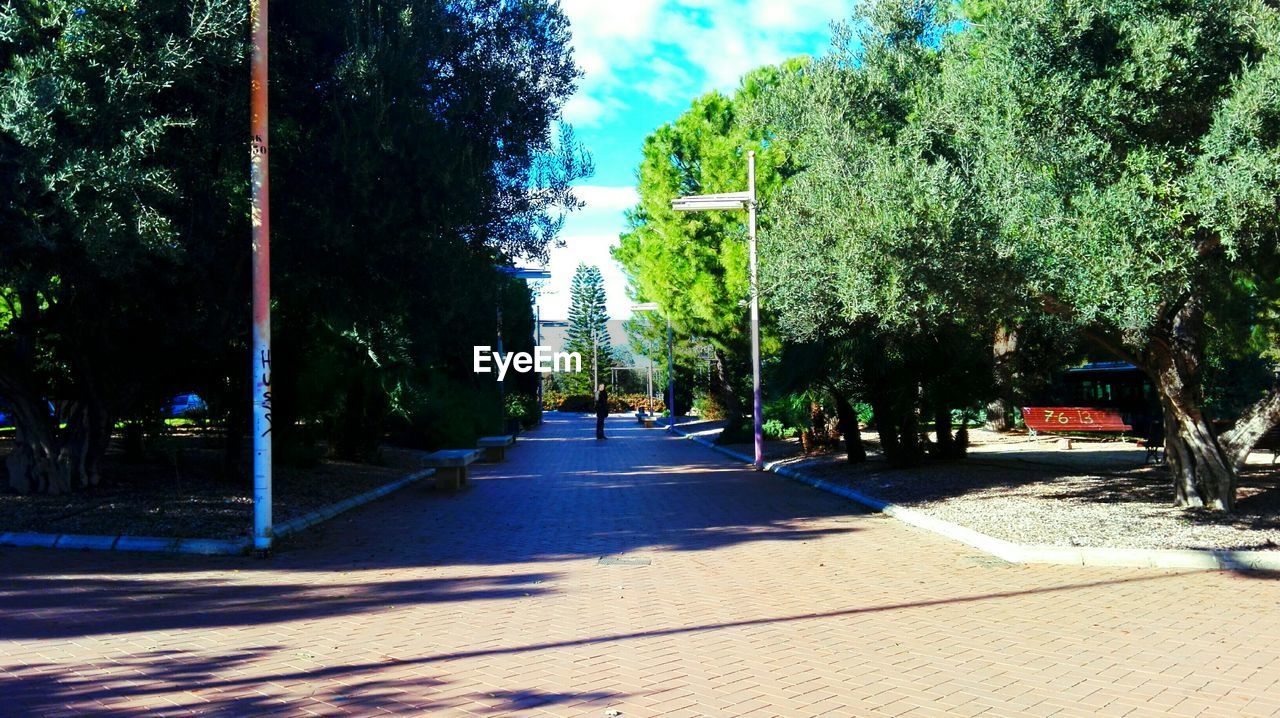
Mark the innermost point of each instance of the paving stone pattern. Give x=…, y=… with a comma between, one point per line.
x=761, y=597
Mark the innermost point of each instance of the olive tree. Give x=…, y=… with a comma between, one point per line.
x=1129, y=153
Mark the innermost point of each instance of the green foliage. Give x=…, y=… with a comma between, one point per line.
x=102, y=105
x=791, y=409
x=775, y=429
x=878, y=264
x=525, y=408
x=414, y=146
x=1121, y=145
x=709, y=408
x=448, y=413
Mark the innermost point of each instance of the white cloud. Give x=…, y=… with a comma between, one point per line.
x=582, y=109
x=600, y=197
x=794, y=15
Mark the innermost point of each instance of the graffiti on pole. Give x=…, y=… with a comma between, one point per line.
x=264, y=384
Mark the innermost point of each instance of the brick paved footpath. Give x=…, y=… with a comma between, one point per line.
x=762, y=598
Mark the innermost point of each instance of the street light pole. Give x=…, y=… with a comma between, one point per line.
x=758, y=419
x=671, y=383
x=537, y=342
x=741, y=200
x=260, y=214
x=648, y=397
x=502, y=387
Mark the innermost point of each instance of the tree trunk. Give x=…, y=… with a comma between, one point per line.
x=886, y=427
x=944, y=447
x=1249, y=428
x=847, y=420
x=47, y=460
x=999, y=415
x=725, y=391
x=1000, y=412
x=1203, y=474
x=909, y=447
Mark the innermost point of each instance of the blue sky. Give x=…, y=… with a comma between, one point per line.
x=645, y=61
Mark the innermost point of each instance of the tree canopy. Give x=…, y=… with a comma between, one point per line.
x=956, y=178
x=416, y=147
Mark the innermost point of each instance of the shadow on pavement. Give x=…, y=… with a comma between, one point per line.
x=226, y=684
x=229, y=685
x=66, y=606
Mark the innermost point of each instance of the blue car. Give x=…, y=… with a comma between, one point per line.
x=184, y=405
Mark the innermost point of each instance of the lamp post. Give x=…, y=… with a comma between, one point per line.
x=741, y=200
x=260, y=216
x=671, y=374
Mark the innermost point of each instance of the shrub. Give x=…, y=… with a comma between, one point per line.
x=618, y=403
x=709, y=407
x=523, y=407
x=551, y=399
x=775, y=429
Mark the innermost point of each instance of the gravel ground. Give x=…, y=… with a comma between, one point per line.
x=1032, y=491
x=189, y=500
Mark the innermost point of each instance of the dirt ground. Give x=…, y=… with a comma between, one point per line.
x=1033, y=490
x=181, y=490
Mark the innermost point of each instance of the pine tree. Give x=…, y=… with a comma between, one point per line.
x=588, y=333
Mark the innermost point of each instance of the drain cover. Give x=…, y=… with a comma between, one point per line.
x=623, y=561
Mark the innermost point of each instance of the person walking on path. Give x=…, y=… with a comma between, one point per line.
x=602, y=410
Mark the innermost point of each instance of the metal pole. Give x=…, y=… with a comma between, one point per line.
x=261, y=218
x=755, y=311
x=502, y=388
x=537, y=342
x=671, y=382
x=649, y=397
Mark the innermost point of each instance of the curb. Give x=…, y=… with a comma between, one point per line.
x=200, y=546
x=1200, y=559
x=325, y=513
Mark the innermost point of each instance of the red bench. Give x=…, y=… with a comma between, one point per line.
x=1073, y=418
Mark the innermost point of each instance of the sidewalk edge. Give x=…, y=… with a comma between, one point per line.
x=1198, y=559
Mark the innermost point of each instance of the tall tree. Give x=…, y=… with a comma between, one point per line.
x=875, y=250
x=415, y=147
x=103, y=102
x=694, y=265
x=1129, y=153
x=588, y=332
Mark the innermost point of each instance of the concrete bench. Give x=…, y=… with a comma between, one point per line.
x=451, y=466
x=495, y=447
